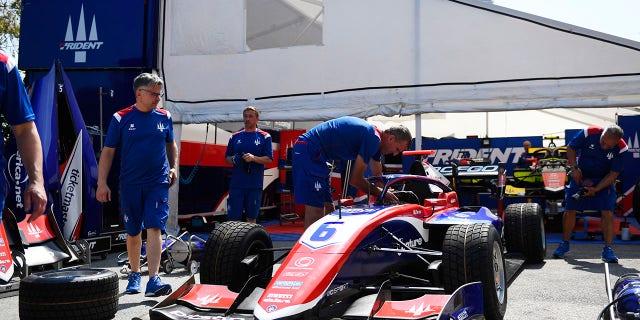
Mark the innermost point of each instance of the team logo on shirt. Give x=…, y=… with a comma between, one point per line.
x=317, y=186
x=132, y=127
x=161, y=126
x=610, y=155
x=257, y=142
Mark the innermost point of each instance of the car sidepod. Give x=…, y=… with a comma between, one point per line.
x=466, y=215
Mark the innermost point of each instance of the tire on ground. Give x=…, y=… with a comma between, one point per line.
x=524, y=231
x=71, y=294
x=227, y=246
x=473, y=252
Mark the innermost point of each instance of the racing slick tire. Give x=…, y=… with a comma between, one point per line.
x=73, y=294
x=473, y=252
x=227, y=246
x=524, y=231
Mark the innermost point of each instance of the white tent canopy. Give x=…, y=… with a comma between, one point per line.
x=380, y=57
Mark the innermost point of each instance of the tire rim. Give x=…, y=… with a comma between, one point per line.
x=499, y=277
x=194, y=267
x=255, y=249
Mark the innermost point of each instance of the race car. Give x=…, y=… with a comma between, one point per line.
x=424, y=257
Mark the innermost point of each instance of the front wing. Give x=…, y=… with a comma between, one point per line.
x=216, y=302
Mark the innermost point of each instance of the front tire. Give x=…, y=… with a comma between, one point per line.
x=226, y=248
x=473, y=252
x=524, y=231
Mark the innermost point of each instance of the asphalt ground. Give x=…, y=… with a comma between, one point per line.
x=570, y=288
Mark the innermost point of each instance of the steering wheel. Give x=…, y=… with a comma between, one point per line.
x=406, y=197
x=540, y=153
x=551, y=162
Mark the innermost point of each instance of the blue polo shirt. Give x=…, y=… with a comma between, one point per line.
x=258, y=143
x=346, y=138
x=14, y=105
x=593, y=161
x=14, y=101
x=141, y=138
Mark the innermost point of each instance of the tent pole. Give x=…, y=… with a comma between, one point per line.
x=417, y=57
x=486, y=125
x=418, y=118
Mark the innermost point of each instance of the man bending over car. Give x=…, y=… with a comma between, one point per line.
x=595, y=156
x=341, y=139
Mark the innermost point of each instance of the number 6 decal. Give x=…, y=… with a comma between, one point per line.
x=324, y=232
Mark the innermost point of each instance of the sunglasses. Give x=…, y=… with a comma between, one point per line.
x=154, y=94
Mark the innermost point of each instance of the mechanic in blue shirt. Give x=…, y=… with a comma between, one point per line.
x=345, y=138
x=248, y=151
x=148, y=162
x=16, y=108
x=522, y=160
x=595, y=156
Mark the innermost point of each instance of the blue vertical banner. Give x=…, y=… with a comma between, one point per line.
x=42, y=98
x=631, y=173
x=66, y=148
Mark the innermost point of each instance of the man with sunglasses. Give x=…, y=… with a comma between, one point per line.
x=143, y=133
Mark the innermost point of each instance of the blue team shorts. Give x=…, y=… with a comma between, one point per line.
x=604, y=200
x=311, y=184
x=144, y=207
x=240, y=198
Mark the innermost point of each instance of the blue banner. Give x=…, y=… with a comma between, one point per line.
x=88, y=34
x=631, y=173
x=496, y=150
x=60, y=125
x=92, y=221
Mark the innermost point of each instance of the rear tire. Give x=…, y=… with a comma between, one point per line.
x=74, y=294
x=227, y=246
x=524, y=231
x=473, y=252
